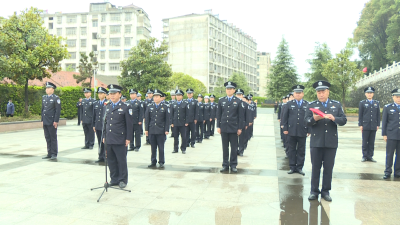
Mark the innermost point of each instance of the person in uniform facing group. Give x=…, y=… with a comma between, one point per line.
x=87, y=118
x=148, y=101
x=98, y=120
x=391, y=134
x=207, y=117
x=248, y=116
x=213, y=114
x=10, y=109
x=118, y=134
x=79, y=105
x=369, y=117
x=200, y=119
x=179, y=118
x=191, y=128
x=230, y=117
x=324, y=138
x=157, y=127
x=51, y=110
x=296, y=130
x=137, y=119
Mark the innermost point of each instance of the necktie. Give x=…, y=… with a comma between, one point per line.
x=179, y=103
x=299, y=104
x=229, y=99
x=398, y=106
x=113, y=105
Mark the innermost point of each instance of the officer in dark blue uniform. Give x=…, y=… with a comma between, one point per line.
x=200, y=119
x=147, y=101
x=324, y=138
x=249, y=120
x=79, y=105
x=391, y=134
x=230, y=117
x=247, y=114
x=191, y=128
x=123, y=98
x=87, y=118
x=118, y=134
x=51, y=109
x=280, y=109
x=284, y=137
x=170, y=102
x=137, y=118
x=98, y=120
x=139, y=98
x=179, y=116
x=207, y=117
x=296, y=130
x=369, y=119
x=157, y=127
x=213, y=114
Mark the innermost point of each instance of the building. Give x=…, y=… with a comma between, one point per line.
x=109, y=31
x=263, y=70
x=209, y=49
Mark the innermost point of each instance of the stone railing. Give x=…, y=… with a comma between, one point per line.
x=383, y=73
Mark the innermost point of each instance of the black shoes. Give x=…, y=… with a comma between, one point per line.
x=240, y=154
x=161, y=165
x=53, y=158
x=290, y=172
x=301, y=172
x=46, y=157
x=386, y=176
x=122, y=185
x=136, y=149
x=363, y=159
x=99, y=161
x=372, y=160
x=224, y=169
x=112, y=184
x=327, y=198
x=85, y=147
x=91, y=147
x=175, y=152
x=192, y=146
x=151, y=165
x=312, y=197
x=233, y=170
x=183, y=152
x=131, y=149
x=396, y=176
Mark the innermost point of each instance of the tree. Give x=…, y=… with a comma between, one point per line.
x=183, y=81
x=219, y=90
x=145, y=67
x=341, y=72
x=283, y=74
x=27, y=50
x=393, y=32
x=86, y=69
x=241, y=82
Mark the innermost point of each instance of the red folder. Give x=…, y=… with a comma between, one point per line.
x=318, y=112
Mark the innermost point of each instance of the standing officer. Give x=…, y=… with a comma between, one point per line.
x=139, y=98
x=247, y=114
x=10, y=109
x=192, y=121
x=249, y=120
x=118, y=135
x=51, y=109
x=213, y=114
x=137, y=118
x=157, y=127
x=391, y=134
x=200, y=119
x=79, y=106
x=279, y=118
x=230, y=117
x=179, y=117
x=207, y=117
x=123, y=98
x=324, y=138
x=369, y=119
x=172, y=94
x=98, y=120
x=283, y=136
x=296, y=130
x=148, y=101
x=87, y=118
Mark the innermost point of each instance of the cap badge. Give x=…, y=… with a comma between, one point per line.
x=369, y=88
x=298, y=86
x=320, y=83
x=229, y=83
x=111, y=86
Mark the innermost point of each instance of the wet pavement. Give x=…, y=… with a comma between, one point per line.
x=190, y=189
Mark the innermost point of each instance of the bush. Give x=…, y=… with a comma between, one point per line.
x=351, y=110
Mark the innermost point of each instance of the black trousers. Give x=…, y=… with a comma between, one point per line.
x=391, y=147
x=136, y=136
x=116, y=158
x=207, y=128
x=212, y=127
x=50, y=133
x=89, y=134
x=296, y=152
x=190, y=134
x=368, y=141
x=243, y=139
x=232, y=140
x=8, y=115
x=322, y=157
x=79, y=117
x=102, y=155
x=179, y=130
x=157, y=140
x=199, y=130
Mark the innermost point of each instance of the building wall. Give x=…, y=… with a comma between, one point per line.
x=263, y=70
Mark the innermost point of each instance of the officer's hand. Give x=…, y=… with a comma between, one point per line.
x=172, y=125
x=250, y=124
x=239, y=132
x=361, y=128
x=219, y=130
x=127, y=143
x=282, y=127
x=204, y=121
x=42, y=123
x=103, y=140
x=55, y=125
x=385, y=138
x=147, y=133
x=210, y=119
x=279, y=121
x=215, y=118
x=286, y=132
x=245, y=128
x=330, y=116
x=81, y=122
x=166, y=132
x=308, y=134
x=186, y=124
x=94, y=129
x=377, y=128
x=140, y=123
x=317, y=117
x=195, y=121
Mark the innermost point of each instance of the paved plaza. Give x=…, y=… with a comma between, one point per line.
x=190, y=190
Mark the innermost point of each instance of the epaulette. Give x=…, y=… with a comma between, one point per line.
x=313, y=102
x=388, y=104
x=55, y=96
x=43, y=96
x=305, y=101
x=335, y=101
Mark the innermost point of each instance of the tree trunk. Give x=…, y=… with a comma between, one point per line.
x=343, y=99
x=26, y=97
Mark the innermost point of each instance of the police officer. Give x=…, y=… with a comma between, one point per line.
x=10, y=109
x=247, y=114
x=139, y=98
x=369, y=117
x=207, y=117
x=324, y=138
x=172, y=94
x=230, y=116
x=157, y=127
x=391, y=134
x=51, y=109
x=192, y=121
x=148, y=101
x=249, y=120
x=296, y=130
x=137, y=118
x=284, y=100
x=87, y=118
x=213, y=114
x=98, y=120
x=123, y=98
x=284, y=137
x=200, y=119
x=179, y=117
x=79, y=106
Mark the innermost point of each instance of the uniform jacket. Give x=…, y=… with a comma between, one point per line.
x=98, y=115
x=137, y=111
x=157, y=119
x=207, y=111
x=10, y=108
x=324, y=132
x=281, y=112
x=293, y=119
x=249, y=113
x=369, y=115
x=213, y=110
x=51, y=109
x=255, y=108
x=78, y=105
x=230, y=115
x=146, y=102
x=118, y=126
x=192, y=106
x=179, y=113
x=87, y=110
x=199, y=112
x=391, y=122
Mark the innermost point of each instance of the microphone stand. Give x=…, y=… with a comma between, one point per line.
x=106, y=185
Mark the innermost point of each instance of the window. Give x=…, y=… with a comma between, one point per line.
x=102, y=66
x=59, y=31
x=128, y=16
x=103, y=42
x=71, y=31
x=114, y=66
x=71, y=19
x=128, y=29
x=50, y=26
x=83, y=18
x=127, y=41
x=71, y=43
x=83, y=31
x=59, y=19
x=72, y=55
x=258, y=66
x=94, y=23
x=115, y=54
x=83, y=43
x=115, y=16
x=98, y=8
x=103, y=17
x=126, y=54
x=102, y=54
x=115, y=41
x=103, y=30
x=70, y=66
x=115, y=29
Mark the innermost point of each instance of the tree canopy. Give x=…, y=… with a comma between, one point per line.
x=183, y=81
x=86, y=67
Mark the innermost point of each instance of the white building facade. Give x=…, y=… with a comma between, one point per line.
x=263, y=71
x=209, y=49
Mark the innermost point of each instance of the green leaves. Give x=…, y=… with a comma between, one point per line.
x=183, y=81
x=86, y=69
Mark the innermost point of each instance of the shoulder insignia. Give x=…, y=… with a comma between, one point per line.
x=335, y=101
x=388, y=105
x=43, y=96
x=313, y=102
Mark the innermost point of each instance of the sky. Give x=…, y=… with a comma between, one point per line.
x=301, y=23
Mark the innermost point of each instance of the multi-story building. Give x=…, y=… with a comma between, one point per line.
x=210, y=49
x=109, y=31
x=263, y=70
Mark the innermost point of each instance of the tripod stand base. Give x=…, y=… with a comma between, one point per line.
x=106, y=187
